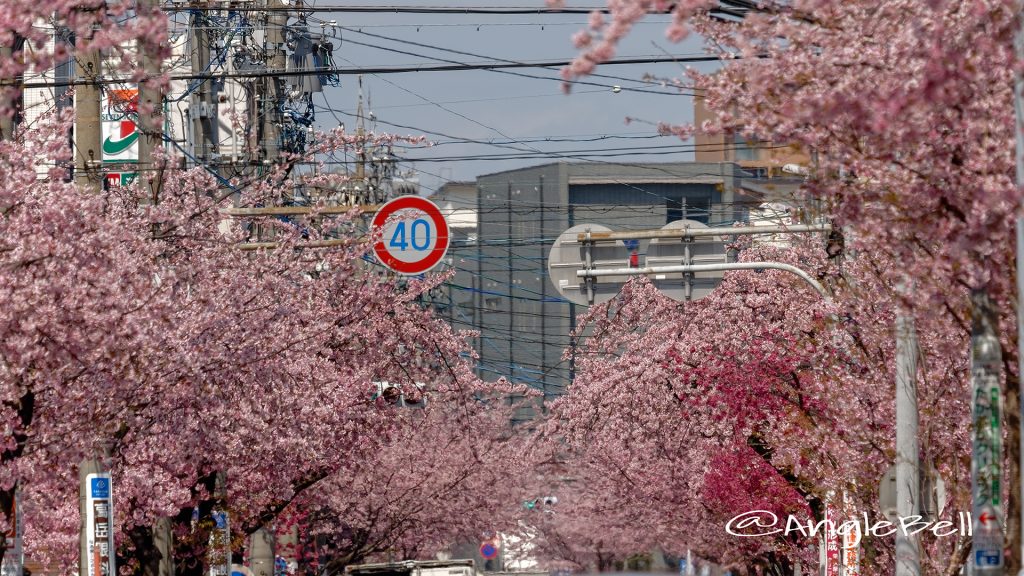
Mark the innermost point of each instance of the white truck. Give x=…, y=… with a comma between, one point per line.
x=414, y=568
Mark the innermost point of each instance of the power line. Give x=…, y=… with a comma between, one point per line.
x=496, y=10
x=495, y=99
x=709, y=147
x=356, y=70
x=477, y=55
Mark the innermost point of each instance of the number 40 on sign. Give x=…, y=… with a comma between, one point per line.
x=413, y=235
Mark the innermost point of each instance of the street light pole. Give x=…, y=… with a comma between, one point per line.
x=908, y=499
x=1018, y=106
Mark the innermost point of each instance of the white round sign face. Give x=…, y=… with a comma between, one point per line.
x=414, y=235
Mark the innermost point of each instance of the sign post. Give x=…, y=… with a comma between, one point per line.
x=99, y=525
x=832, y=553
x=986, y=455
x=414, y=235
x=489, y=550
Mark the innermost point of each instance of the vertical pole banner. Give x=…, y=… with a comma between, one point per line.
x=986, y=455
x=851, y=554
x=120, y=135
x=220, y=545
x=218, y=554
x=99, y=525
x=851, y=545
x=832, y=553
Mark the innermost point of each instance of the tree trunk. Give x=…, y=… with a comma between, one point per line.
x=191, y=552
x=145, y=551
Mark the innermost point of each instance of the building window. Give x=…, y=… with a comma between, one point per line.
x=698, y=209
x=745, y=148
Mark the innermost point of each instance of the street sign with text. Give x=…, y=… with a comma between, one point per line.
x=986, y=453
x=99, y=525
x=413, y=235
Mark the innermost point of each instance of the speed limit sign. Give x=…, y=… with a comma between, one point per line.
x=414, y=235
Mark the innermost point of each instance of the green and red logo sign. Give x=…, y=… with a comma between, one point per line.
x=120, y=136
x=126, y=137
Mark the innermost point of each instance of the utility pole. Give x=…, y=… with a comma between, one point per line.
x=908, y=499
x=149, y=121
x=362, y=188
x=149, y=118
x=9, y=52
x=201, y=107
x=262, y=552
x=987, y=454
x=272, y=101
x=543, y=290
x=7, y=122
x=88, y=155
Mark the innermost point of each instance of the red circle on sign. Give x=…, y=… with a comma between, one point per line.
x=488, y=550
x=433, y=256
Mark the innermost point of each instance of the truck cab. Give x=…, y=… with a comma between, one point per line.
x=414, y=568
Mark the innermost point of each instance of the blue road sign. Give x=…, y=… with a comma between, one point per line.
x=988, y=557
x=488, y=550
x=100, y=488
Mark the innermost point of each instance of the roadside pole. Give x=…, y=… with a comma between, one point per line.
x=87, y=121
x=149, y=118
x=276, y=61
x=163, y=541
x=200, y=105
x=907, y=452
x=7, y=123
x=1018, y=106
x=986, y=455
x=150, y=124
x=96, y=509
x=262, y=552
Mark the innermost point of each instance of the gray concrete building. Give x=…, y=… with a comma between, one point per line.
x=501, y=287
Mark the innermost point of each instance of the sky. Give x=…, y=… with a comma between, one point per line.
x=490, y=106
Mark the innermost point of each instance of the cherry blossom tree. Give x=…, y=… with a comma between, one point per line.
x=907, y=107
x=761, y=396
x=144, y=331
x=448, y=475
x=26, y=28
